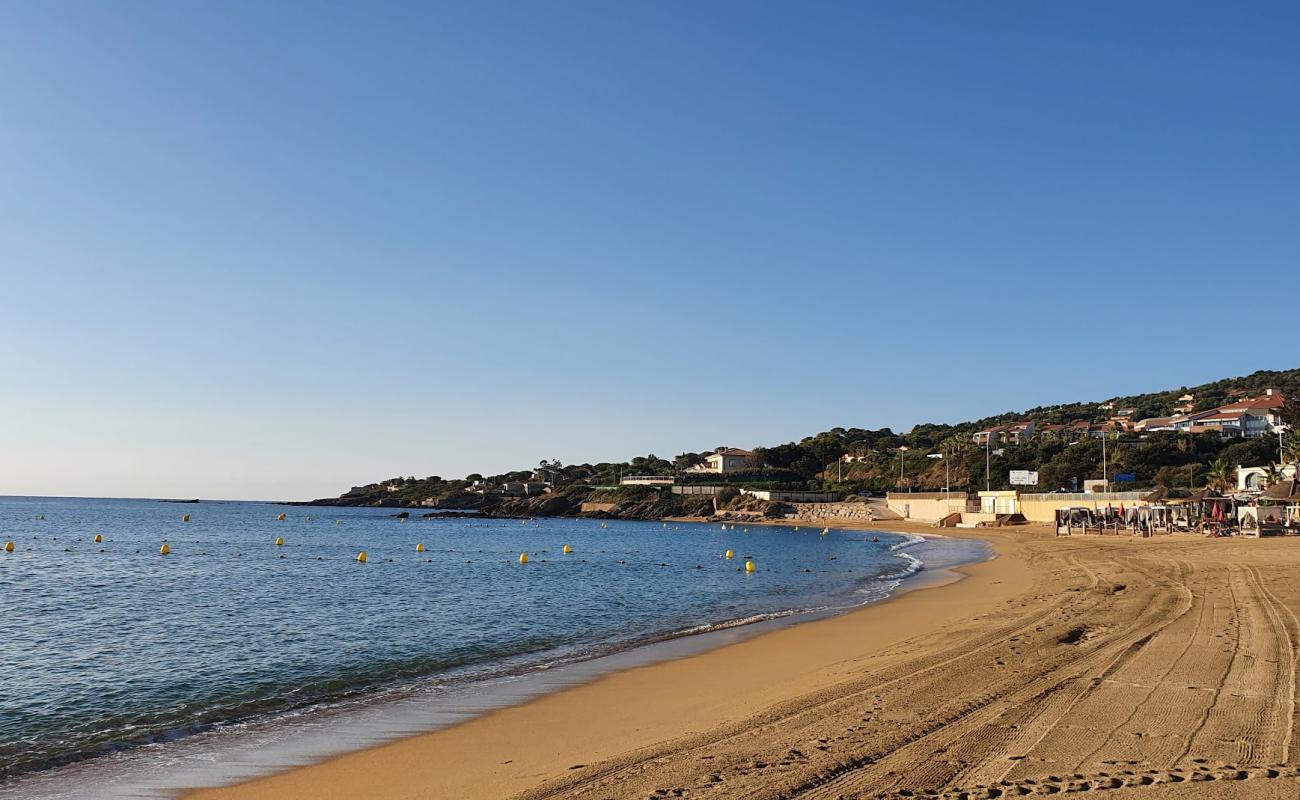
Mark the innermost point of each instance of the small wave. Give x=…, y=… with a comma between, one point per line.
x=909, y=539
x=733, y=623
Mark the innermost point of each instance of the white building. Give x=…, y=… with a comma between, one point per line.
x=1251, y=479
x=728, y=459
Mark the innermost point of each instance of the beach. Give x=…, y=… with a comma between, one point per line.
x=1151, y=667
x=1097, y=662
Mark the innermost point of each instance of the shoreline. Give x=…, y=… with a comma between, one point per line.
x=260, y=747
x=472, y=774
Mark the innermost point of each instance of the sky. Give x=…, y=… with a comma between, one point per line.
x=274, y=250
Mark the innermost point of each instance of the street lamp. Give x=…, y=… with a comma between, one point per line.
x=943, y=454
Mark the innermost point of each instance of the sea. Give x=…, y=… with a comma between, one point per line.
x=128, y=673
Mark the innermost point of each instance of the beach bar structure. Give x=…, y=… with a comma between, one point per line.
x=927, y=506
x=1043, y=507
x=1275, y=512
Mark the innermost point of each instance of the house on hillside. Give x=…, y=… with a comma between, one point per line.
x=1015, y=433
x=1186, y=422
x=529, y=488
x=1249, y=417
x=1019, y=433
x=1185, y=404
x=1051, y=430
x=725, y=460
x=1083, y=429
x=1259, y=416
x=1154, y=424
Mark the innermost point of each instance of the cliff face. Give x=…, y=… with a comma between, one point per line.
x=626, y=504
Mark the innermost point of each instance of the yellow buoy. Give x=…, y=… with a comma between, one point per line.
x=165, y=549
x=419, y=548
x=280, y=518
x=523, y=558
x=185, y=518
x=99, y=537
x=279, y=541
x=361, y=557
x=9, y=547
x=729, y=554
x=749, y=566
x=567, y=549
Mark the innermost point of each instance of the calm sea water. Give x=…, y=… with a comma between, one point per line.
x=111, y=645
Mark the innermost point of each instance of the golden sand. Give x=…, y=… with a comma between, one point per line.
x=1139, y=669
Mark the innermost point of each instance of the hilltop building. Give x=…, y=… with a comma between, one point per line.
x=1249, y=417
x=1015, y=433
x=725, y=460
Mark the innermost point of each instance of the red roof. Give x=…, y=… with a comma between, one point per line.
x=1264, y=403
x=730, y=451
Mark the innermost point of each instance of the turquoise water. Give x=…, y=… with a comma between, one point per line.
x=109, y=646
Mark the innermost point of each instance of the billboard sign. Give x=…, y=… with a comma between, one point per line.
x=1124, y=477
x=1024, y=477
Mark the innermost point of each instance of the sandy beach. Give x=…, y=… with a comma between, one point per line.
x=1143, y=668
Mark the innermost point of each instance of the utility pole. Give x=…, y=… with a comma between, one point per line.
x=988, y=463
x=1104, y=476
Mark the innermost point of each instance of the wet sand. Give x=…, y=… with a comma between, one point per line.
x=1137, y=668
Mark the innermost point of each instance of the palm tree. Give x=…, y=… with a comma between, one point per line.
x=1220, y=475
x=1272, y=474
x=954, y=446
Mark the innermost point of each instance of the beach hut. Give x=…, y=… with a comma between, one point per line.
x=1277, y=511
x=1081, y=517
x=1157, y=516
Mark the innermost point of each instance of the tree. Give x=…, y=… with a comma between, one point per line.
x=1291, y=446
x=685, y=461
x=1271, y=474
x=784, y=456
x=1290, y=411
x=1220, y=475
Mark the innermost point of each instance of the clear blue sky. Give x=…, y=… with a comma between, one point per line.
x=272, y=250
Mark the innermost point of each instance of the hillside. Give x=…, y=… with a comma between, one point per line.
x=882, y=460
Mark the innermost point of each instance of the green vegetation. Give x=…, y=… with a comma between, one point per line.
x=882, y=460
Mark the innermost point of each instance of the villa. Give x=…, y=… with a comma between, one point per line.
x=726, y=460
x=1249, y=417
